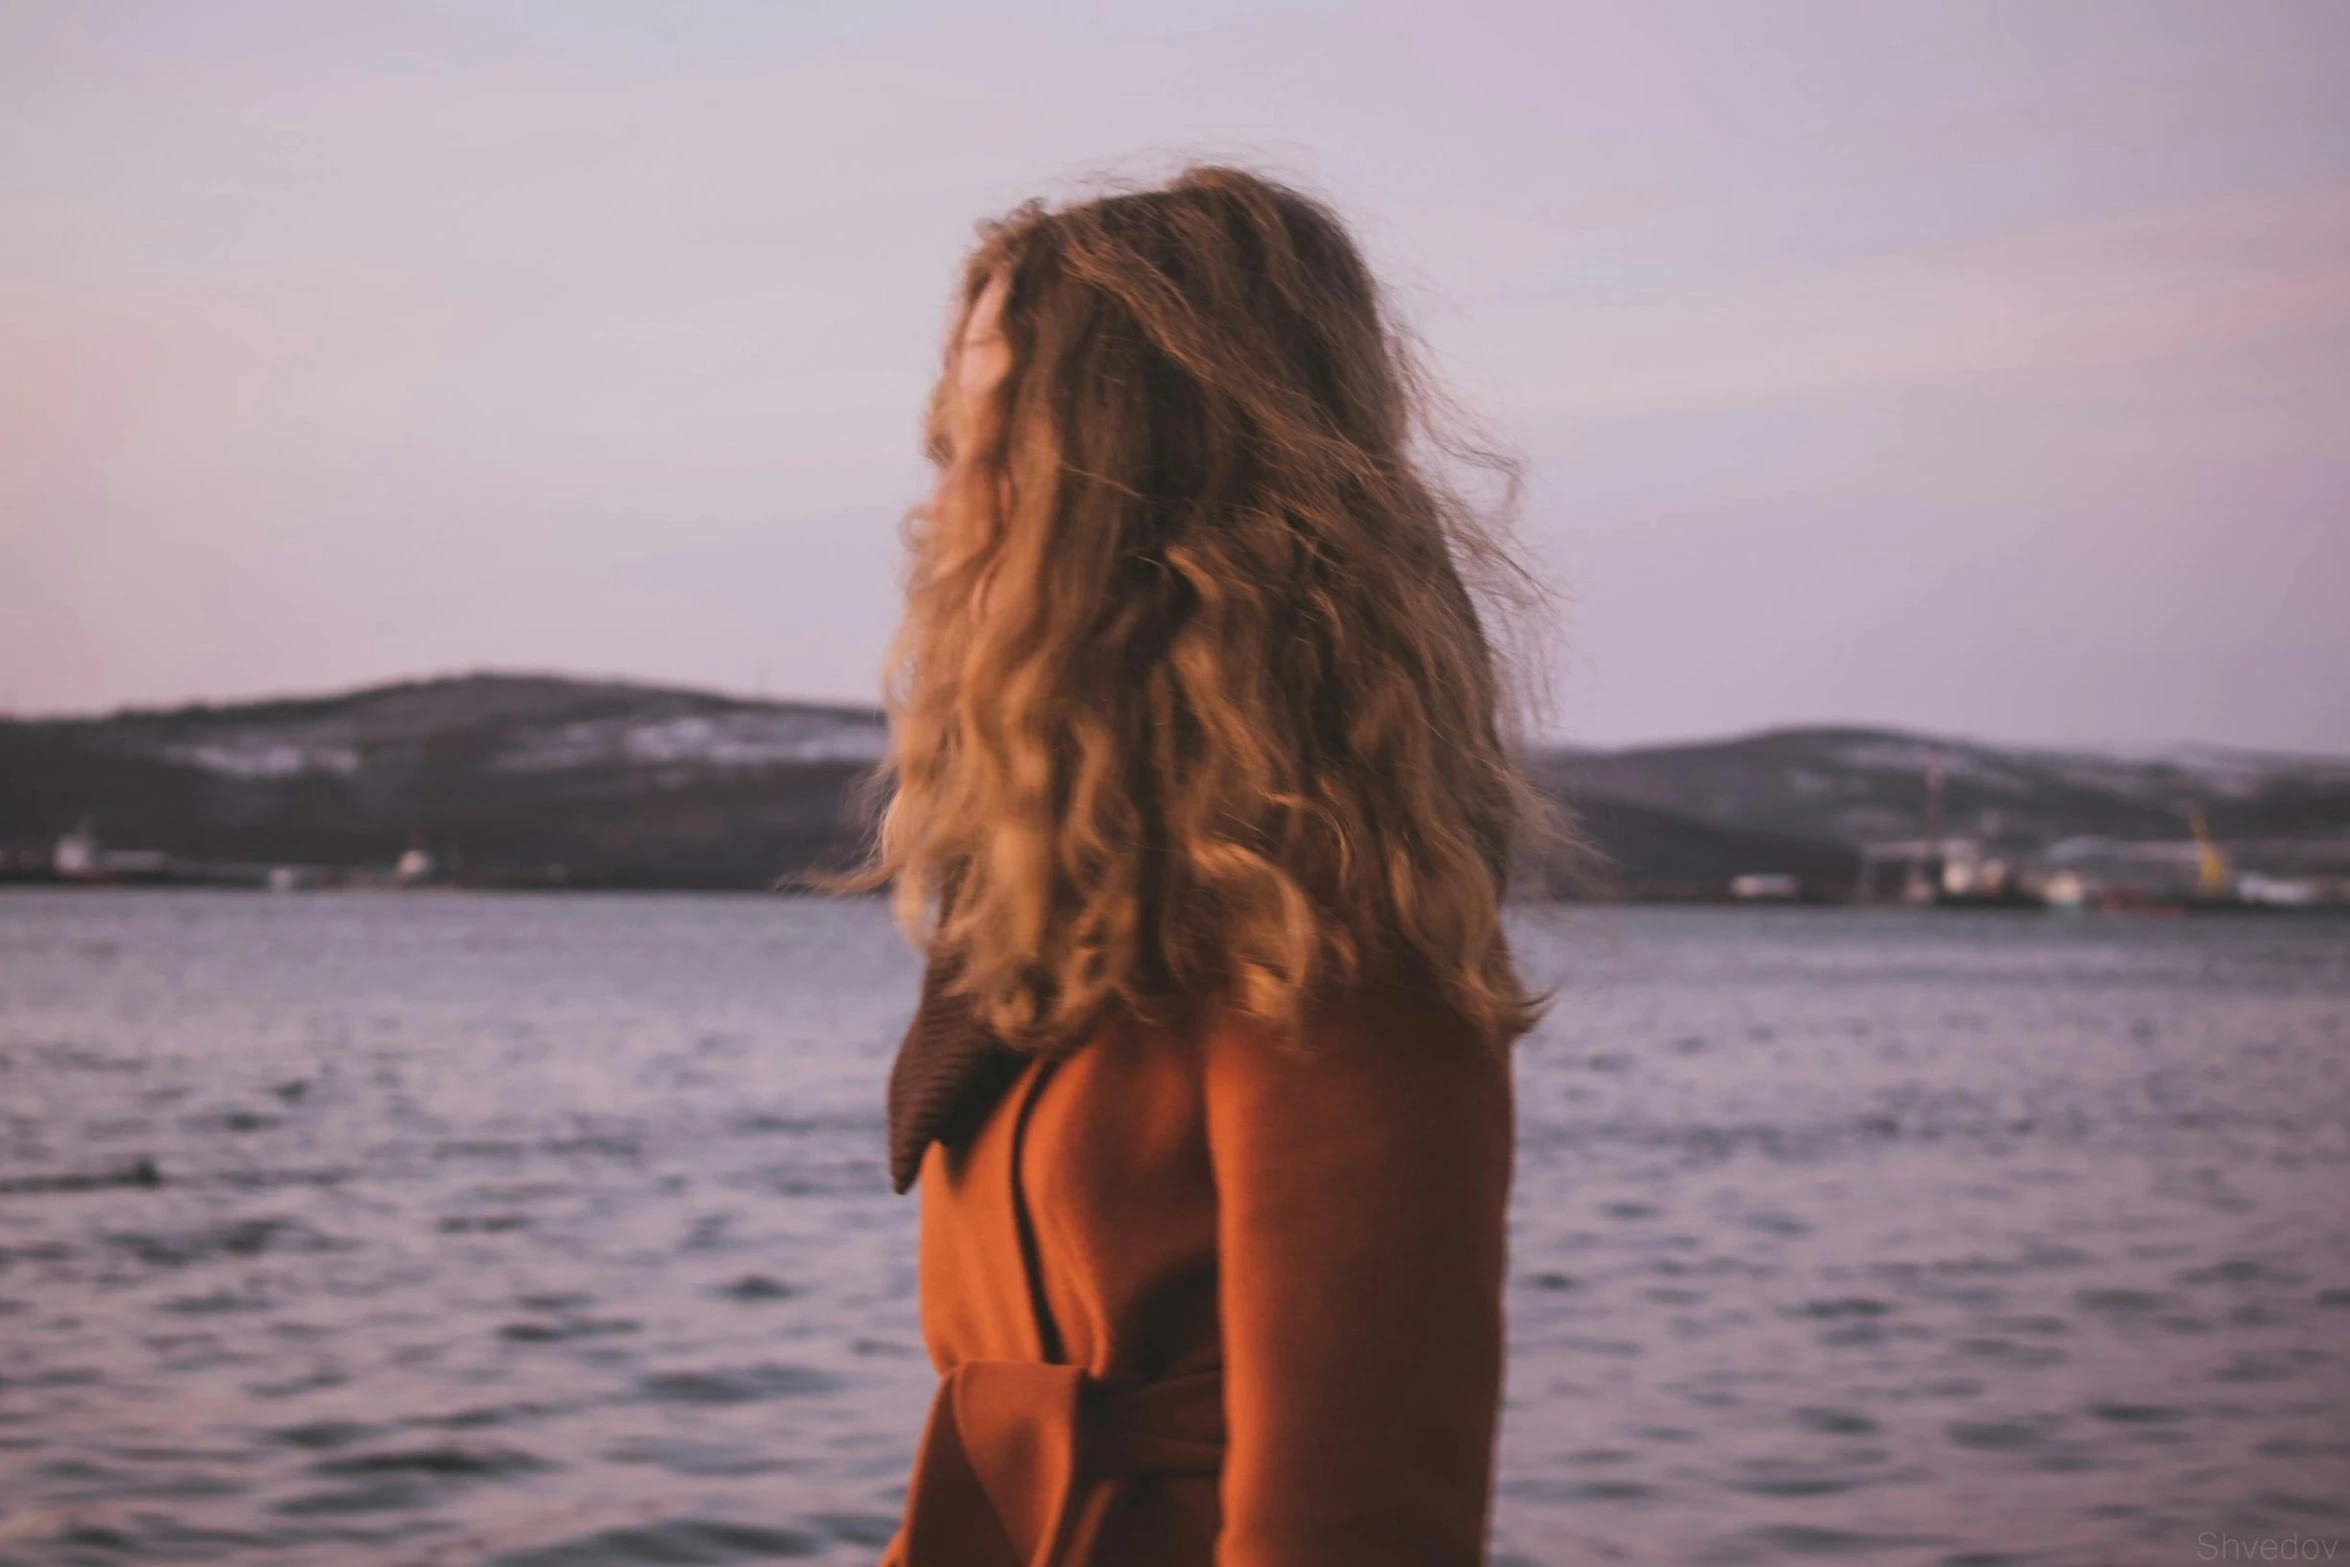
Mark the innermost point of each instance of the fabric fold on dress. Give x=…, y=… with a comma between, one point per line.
x=1012, y=1440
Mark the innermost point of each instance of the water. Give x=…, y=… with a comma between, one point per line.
x=552, y=1232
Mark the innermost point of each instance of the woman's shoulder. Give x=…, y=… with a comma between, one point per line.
x=1376, y=1083
x=1379, y=1032
x=1373, y=1015
x=1377, y=1038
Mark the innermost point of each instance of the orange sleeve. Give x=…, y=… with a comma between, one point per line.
x=1361, y=1209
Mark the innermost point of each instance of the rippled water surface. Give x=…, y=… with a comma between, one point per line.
x=553, y=1232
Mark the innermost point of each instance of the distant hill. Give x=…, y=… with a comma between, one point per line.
x=530, y=780
x=1860, y=786
x=515, y=780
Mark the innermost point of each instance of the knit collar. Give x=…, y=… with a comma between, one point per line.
x=949, y=1072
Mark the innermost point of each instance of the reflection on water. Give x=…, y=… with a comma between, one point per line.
x=552, y=1231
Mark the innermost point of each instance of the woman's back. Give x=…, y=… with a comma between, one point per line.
x=1181, y=1282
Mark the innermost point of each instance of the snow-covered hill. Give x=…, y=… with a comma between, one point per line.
x=518, y=778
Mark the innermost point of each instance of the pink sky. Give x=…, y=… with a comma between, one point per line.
x=1981, y=368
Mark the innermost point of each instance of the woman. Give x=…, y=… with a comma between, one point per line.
x=1201, y=798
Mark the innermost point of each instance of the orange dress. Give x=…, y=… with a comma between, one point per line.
x=1209, y=1302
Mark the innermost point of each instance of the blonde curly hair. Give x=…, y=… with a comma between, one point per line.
x=1193, y=706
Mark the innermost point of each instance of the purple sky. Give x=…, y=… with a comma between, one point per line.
x=1981, y=368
